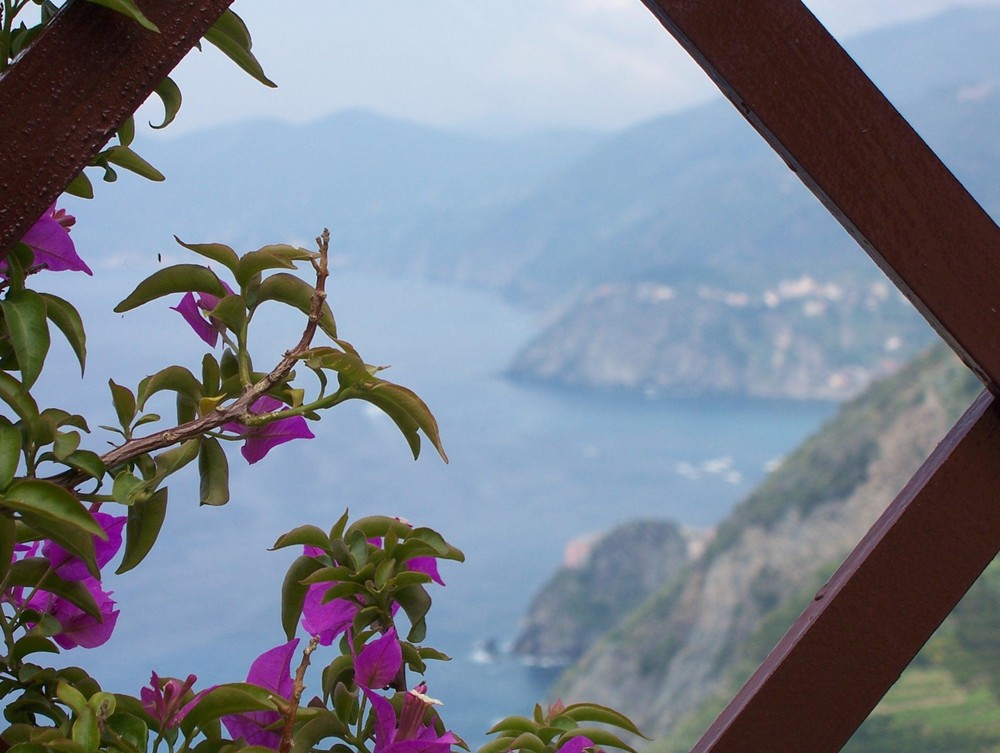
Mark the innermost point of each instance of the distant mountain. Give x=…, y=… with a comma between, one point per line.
x=579, y=225
x=390, y=191
x=672, y=662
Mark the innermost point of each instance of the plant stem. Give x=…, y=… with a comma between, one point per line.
x=286, y=732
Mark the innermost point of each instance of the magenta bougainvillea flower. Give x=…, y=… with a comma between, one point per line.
x=78, y=627
x=379, y=661
x=374, y=667
x=261, y=439
x=70, y=567
x=326, y=620
x=576, y=745
x=271, y=671
x=195, y=308
x=162, y=699
x=51, y=245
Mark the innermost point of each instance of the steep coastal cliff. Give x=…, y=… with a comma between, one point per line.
x=671, y=661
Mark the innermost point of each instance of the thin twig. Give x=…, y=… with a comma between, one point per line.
x=286, y=732
x=239, y=409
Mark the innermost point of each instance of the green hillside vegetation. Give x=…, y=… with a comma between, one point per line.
x=947, y=700
x=674, y=662
x=835, y=461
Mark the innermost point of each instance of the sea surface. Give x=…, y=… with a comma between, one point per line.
x=531, y=469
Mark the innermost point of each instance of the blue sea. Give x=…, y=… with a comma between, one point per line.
x=531, y=469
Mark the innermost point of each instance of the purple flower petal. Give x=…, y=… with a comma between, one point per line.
x=50, y=243
x=425, y=565
x=71, y=567
x=272, y=671
x=195, y=312
x=188, y=308
x=261, y=439
x=161, y=700
x=576, y=745
x=379, y=661
x=326, y=620
x=385, y=719
x=78, y=627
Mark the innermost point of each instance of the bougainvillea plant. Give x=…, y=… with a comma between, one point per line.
x=355, y=600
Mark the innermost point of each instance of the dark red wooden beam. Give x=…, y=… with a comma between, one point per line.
x=819, y=111
x=798, y=87
x=84, y=75
x=862, y=629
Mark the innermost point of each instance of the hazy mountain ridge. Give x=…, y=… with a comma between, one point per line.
x=670, y=662
x=579, y=224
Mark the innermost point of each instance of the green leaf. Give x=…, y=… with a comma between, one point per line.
x=51, y=503
x=179, y=278
x=170, y=95
x=231, y=311
x=255, y=262
x=32, y=644
x=125, y=157
x=288, y=252
x=214, y=251
x=132, y=729
x=592, y=712
x=86, y=732
x=124, y=402
x=10, y=453
x=426, y=652
x=230, y=35
x=141, y=529
x=67, y=319
x=599, y=737
x=442, y=549
x=290, y=290
x=81, y=187
x=408, y=411
x=74, y=541
x=500, y=745
x=176, y=458
x=174, y=378
x=8, y=539
x=312, y=732
x=87, y=461
x=130, y=9
x=303, y=536
x=376, y=525
x=213, y=468
x=293, y=592
x=66, y=444
x=416, y=602
x=527, y=741
x=37, y=572
x=211, y=375
x=28, y=330
x=349, y=366
x=232, y=698
x=125, y=485
x=70, y=696
x=126, y=133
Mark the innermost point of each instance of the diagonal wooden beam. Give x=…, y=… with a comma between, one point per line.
x=853, y=641
x=818, y=110
x=799, y=88
x=84, y=75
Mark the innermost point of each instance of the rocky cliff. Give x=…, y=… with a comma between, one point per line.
x=690, y=643
x=799, y=339
x=604, y=578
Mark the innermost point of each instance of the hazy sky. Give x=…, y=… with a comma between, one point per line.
x=491, y=66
